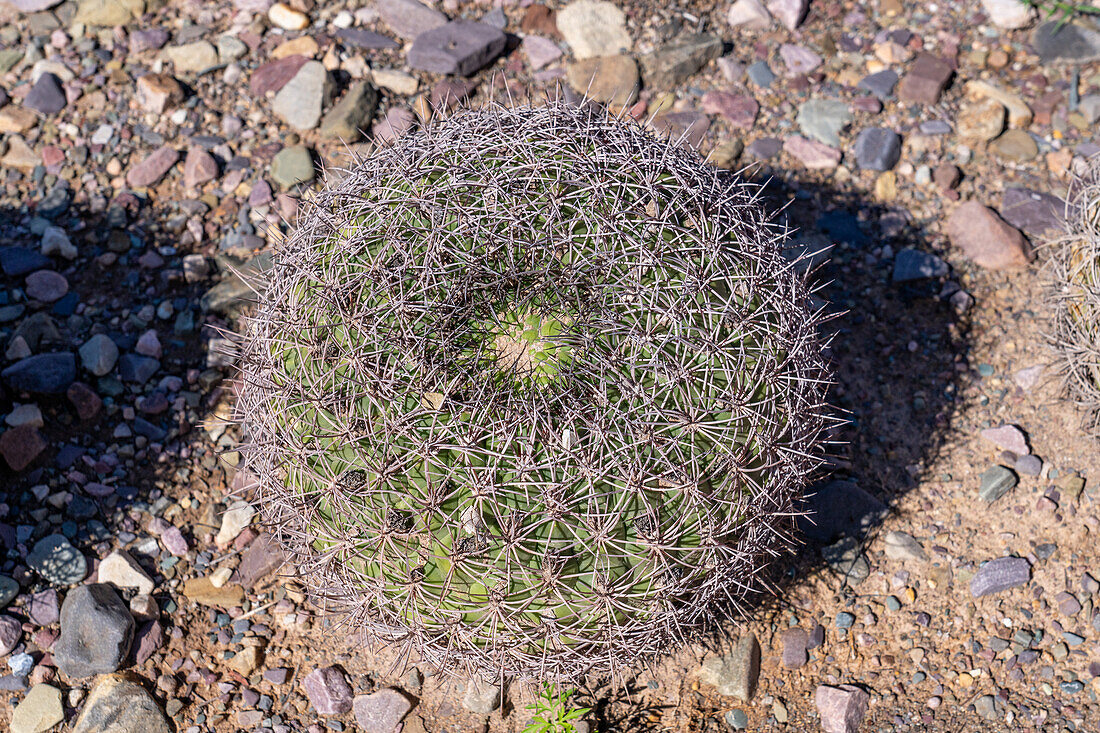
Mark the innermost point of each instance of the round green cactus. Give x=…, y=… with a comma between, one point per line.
x=532, y=392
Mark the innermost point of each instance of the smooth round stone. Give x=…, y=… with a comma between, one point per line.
x=56, y=560
x=47, y=286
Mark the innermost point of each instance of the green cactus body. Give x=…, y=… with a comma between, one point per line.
x=532, y=391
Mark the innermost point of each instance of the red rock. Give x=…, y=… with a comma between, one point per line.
x=925, y=81
x=21, y=445
x=811, y=153
x=841, y=708
x=261, y=558
x=688, y=127
x=273, y=76
x=738, y=109
x=199, y=168
x=987, y=239
x=153, y=168
x=540, y=20
x=148, y=639
x=85, y=400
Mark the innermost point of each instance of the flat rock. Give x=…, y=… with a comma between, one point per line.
x=205, y=593
x=823, y=120
x=273, y=76
x=540, y=52
x=16, y=261
x=672, y=63
x=328, y=691
x=96, y=631
x=381, y=711
x=913, y=264
x=409, y=18
x=985, y=238
x=148, y=639
x=877, y=149
x=46, y=96
x=117, y=704
x=21, y=445
x=925, y=80
x=737, y=673
x=33, y=6
x=904, y=547
x=799, y=59
x=996, y=481
x=1016, y=146
x=1058, y=42
x=841, y=708
x=351, y=116
x=42, y=373
x=612, y=80
x=11, y=633
x=813, y=154
x=840, y=508
x=123, y=571
x=1007, y=437
x=1019, y=113
x=262, y=557
x=365, y=39
x=999, y=575
x=292, y=166
x=39, y=711
x=459, y=47
x=46, y=286
x=794, y=642
x=56, y=560
x=108, y=12
x=300, y=102
x=881, y=83
x=193, y=58
x=153, y=168
x=739, y=110
x=1037, y=213
x=594, y=28
x=199, y=167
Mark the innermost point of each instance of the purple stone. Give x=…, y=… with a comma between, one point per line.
x=1036, y=213
x=148, y=40
x=841, y=708
x=1000, y=575
x=46, y=96
x=262, y=557
x=459, y=47
x=148, y=639
x=328, y=691
x=362, y=38
x=153, y=168
x=764, y=148
x=795, y=642
x=276, y=676
x=11, y=631
x=44, y=607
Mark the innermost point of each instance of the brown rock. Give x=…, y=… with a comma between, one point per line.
x=540, y=20
x=157, y=92
x=203, y=592
x=199, y=167
x=273, y=76
x=946, y=176
x=925, y=81
x=608, y=79
x=85, y=400
x=21, y=445
x=985, y=238
x=14, y=118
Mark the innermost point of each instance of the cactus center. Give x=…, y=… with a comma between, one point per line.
x=524, y=346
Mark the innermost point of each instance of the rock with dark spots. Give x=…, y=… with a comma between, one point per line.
x=362, y=38
x=273, y=76
x=21, y=445
x=1037, y=213
x=878, y=149
x=42, y=373
x=671, y=64
x=118, y=704
x=913, y=264
x=136, y=368
x=986, y=238
x=841, y=708
x=881, y=83
x=328, y=691
x=351, y=116
x=840, y=508
x=794, y=642
x=999, y=575
x=96, y=631
x=459, y=47
x=381, y=711
x=46, y=96
x=56, y=560
x=16, y=261
x=737, y=673
x=153, y=168
x=1058, y=42
x=925, y=80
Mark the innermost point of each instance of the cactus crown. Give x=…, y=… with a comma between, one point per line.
x=531, y=391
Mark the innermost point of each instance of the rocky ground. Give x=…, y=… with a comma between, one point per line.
x=153, y=153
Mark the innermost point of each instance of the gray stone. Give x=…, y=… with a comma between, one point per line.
x=1037, y=213
x=737, y=673
x=46, y=286
x=459, y=47
x=987, y=707
x=847, y=560
x=1028, y=465
x=11, y=632
x=996, y=482
x=840, y=508
x=913, y=264
x=119, y=705
x=761, y=74
x=480, y=696
x=350, y=117
x=671, y=64
x=301, y=101
x=841, y=708
x=594, y=28
x=136, y=368
x=408, y=18
x=381, y=711
x=33, y=6
x=46, y=96
x=878, y=149
x=794, y=641
x=823, y=120
x=328, y=691
x=42, y=373
x=1001, y=574
x=9, y=589
x=362, y=38
x=96, y=631
x=1058, y=42
x=903, y=546
x=15, y=261
x=881, y=83
x=292, y=166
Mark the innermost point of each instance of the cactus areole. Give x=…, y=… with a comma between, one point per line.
x=532, y=392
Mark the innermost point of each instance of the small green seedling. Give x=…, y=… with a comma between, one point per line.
x=553, y=713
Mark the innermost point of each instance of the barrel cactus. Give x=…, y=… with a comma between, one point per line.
x=1074, y=285
x=531, y=392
